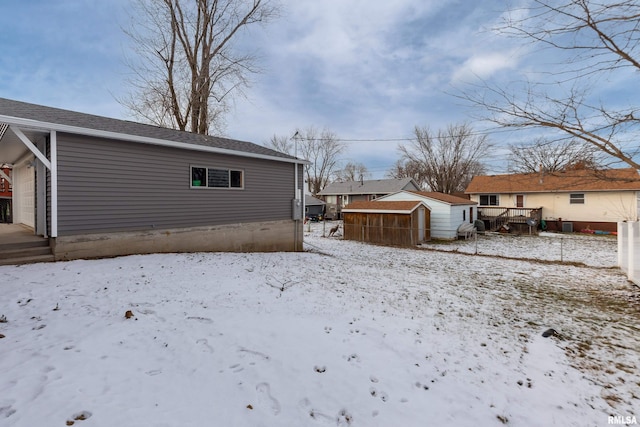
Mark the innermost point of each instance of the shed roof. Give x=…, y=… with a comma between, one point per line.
x=446, y=198
x=41, y=117
x=311, y=201
x=376, y=186
x=575, y=180
x=380, y=206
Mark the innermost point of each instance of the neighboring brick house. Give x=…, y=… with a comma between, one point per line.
x=5, y=194
x=337, y=195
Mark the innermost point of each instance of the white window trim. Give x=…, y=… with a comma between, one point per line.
x=497, y=196
x=206, y=168
x=576, y=202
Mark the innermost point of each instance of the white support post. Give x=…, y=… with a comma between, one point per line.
x=53, y=148
x=623, y=247
x=31, y=146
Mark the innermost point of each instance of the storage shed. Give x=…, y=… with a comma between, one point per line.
x=396, y=223
x=448, y=212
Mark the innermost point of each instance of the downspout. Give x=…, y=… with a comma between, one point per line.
x=297, y=201
x=295, y=220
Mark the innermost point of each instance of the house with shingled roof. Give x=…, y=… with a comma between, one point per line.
x=337, y=195
x=571, y=200
x=95, y=186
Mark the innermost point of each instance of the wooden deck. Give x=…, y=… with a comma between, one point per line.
x=495, y=216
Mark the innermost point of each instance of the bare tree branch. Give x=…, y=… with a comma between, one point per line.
x=320, y=148
x=551, y=156
x=352, y=172
x=188, y=69
x=449, y=159
x=600, y=38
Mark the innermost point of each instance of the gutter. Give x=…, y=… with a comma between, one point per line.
x=47, y=126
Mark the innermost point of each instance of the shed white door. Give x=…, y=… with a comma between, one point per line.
x=24, y=196
x=421, y=224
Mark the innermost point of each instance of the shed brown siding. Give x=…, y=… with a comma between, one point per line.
x=393, y=229
x=109, y=186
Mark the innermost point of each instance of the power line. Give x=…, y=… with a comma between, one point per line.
x=404, y=139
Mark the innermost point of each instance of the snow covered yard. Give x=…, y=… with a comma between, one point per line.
x=589, y=249
x=345, y=334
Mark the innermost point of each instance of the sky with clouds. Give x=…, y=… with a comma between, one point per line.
x=368, y=70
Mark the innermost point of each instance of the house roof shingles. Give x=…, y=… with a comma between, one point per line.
x=577, y=180
x=376, y=186
x=39, y=113
x=312, y=201
x=375, y=205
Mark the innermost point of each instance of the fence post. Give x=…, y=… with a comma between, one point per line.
x=476, y=237
x=634, y=239
x=621, y=242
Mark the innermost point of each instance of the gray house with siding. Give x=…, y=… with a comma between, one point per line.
x=96, y=186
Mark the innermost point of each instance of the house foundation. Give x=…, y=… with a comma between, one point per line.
x=271, y=236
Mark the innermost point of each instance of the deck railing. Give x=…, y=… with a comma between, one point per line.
x=498, y=216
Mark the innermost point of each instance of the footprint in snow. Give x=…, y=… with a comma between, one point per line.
x=205, y=343
x=314, y=414
x=200, y=319
x=265, y=397
x=236, y=368
x=381, y=394
x=344, y=418
x=80, y=416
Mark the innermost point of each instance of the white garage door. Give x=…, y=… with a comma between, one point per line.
x=24, y=196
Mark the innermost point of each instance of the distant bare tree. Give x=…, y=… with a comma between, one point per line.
x=282, y=144
x=449, y=158
x=187, y=66
x=320, y=148
x=352, y=172
x=405, y=168
x=600, y=41
x=550, y=156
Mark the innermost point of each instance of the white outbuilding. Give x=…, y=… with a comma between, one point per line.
x=448, y=212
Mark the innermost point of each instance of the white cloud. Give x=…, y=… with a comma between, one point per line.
x=485, y=65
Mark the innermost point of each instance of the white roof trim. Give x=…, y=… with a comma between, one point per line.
x=46, y=126
x=396, y=211
x=377, y=211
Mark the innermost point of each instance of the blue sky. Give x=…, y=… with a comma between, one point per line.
x=365, y=69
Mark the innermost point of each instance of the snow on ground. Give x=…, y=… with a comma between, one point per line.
x=589, y=249
x=345, y=334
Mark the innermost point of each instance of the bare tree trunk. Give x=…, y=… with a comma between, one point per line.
x=187, y=69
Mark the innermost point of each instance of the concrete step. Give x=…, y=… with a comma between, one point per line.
x=24, y=252
x=20, y=245
x=27, y=260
